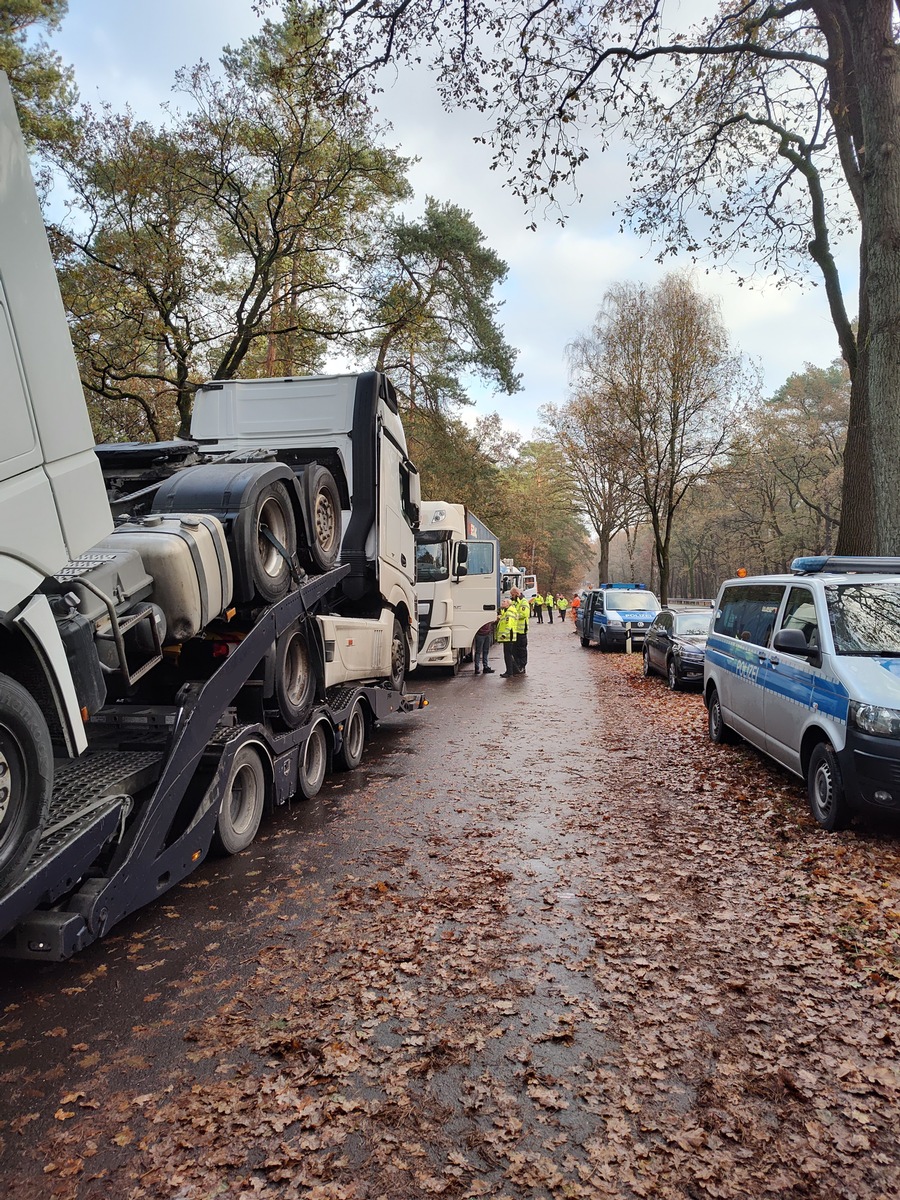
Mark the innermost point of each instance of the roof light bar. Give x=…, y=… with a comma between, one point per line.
x=845, y=565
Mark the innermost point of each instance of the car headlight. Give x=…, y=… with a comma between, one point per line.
x=872, y=718
x=436, y=644
x=614, y=619
x=690, y=655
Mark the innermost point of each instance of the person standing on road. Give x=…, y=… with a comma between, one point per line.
x=576, y=604
x=523, y=612
x=484, y=639
x=549, y=601
x=506, y=636
x=539, y=608
x=562, y=604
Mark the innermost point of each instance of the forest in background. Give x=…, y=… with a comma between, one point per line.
x=266, y=226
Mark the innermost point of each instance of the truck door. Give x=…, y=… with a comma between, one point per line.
x=474, y=593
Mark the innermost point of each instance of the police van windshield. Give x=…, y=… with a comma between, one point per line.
x=865, y=618
x=432, y=562
x=622, y=601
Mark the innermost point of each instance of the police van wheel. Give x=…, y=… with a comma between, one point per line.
x=827, y=799
x=601, y=642
x=719, y=732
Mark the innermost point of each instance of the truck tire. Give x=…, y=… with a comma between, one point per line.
x=350, y=754
x=26, y=777
x=273, y=521
x=295, y=681
x=243, y=800
x=323, y=514
x=398, y=657
x=313, y=762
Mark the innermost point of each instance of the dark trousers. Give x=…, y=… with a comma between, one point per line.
x=509, y=658
x=521, y=645
x=539, y=613
x=550, y=614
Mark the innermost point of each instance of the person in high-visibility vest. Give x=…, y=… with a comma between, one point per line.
x=562, y=604
x=539, y=608
x=523, y=612
x=506, y=636
x=576, y=604
x=549, y=601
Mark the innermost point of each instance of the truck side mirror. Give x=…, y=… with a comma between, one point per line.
x=460, y=559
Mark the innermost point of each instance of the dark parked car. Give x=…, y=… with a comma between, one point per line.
x=675, y=645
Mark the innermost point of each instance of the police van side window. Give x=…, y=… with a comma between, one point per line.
x=747, y=612
x=800, y=613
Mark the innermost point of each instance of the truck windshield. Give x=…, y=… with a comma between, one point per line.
x=622, y=601
x=432, y=562
x=865, y=618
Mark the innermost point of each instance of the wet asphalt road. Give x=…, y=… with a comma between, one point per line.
x=509, y=956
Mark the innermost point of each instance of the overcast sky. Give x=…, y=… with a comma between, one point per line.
x=125, y=52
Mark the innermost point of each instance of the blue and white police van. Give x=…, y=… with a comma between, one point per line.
x=613, y=613
x=806, y=667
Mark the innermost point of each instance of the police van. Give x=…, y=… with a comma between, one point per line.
x=806, y=667
x=613, y=613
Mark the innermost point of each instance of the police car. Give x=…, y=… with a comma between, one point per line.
x=613, y=613
x=806, y=666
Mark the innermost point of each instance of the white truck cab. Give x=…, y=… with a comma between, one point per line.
x=457, y=582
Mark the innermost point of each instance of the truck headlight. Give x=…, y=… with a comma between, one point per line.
x=873, y=718
x=436, y=644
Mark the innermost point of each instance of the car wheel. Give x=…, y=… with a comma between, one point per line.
x=647, y=669
x=719, y=732
x=672, y=675
x=827, y=799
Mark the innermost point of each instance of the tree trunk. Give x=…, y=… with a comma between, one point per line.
x=603, y=565
x=878, y=70
x=856, y=534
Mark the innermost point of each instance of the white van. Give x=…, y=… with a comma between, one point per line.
x=806, y=666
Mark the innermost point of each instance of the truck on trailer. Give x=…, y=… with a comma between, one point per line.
x=457, y=582
x=189, y=631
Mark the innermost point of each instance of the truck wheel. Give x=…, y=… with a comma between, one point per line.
x=26, y=777
x=313, y=762
x=350, y=754
x=719, y=732
x=827, y=798
x=295, y=682
x=398, y=657
x=242, y=804
x=324, y=515
x=273, y=521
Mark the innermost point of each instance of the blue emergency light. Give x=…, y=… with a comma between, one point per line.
x=845, y=565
